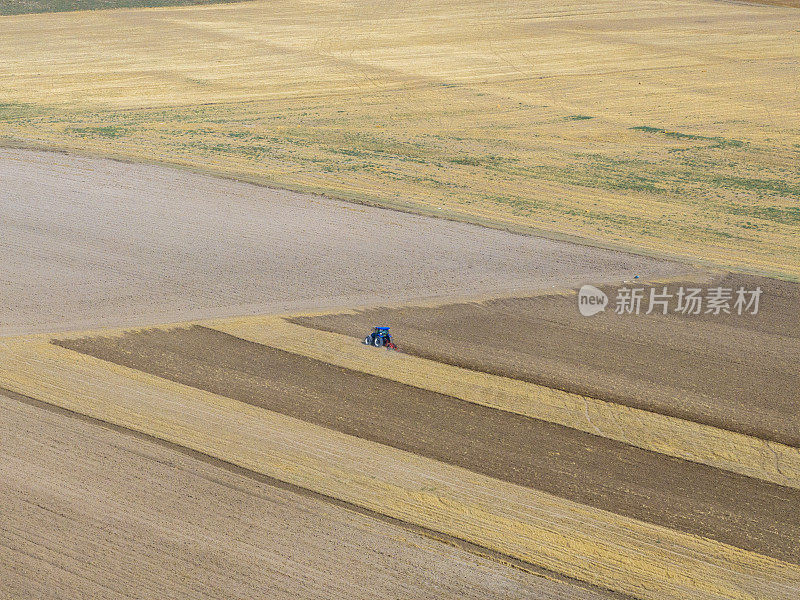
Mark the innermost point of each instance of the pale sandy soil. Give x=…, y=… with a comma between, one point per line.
x=87, y=243
x=89, y=512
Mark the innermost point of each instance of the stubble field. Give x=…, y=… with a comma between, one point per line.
x=668, y=128
x=20, y=7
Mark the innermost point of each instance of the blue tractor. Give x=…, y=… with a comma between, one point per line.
x=379, y=338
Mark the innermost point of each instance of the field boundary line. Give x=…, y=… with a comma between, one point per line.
x=589, y=544
x=209, y=459
x=736, y=452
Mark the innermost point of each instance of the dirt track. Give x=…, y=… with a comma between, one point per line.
x=89, y=512
x=744, y=512
x=734, y=372
x=87, y=243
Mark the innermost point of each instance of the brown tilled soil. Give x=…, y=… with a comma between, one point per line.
x=736, y=372
x=592, y=470
x=90, y=512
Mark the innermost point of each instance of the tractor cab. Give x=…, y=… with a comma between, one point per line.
x=379, y=338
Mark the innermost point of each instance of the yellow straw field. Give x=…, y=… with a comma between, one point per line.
x=665, y=128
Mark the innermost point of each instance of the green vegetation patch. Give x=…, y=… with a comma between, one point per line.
x=786, y=215
x=719, y=142
x=476, y=161
x=105, y=131
x=12, y=111
x=523, y=207
x=19, y=7
x=777, y=186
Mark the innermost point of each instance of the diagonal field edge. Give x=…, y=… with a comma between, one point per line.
x=596, y=546
x=306, y=492
x=568, y=463
x=747, y=455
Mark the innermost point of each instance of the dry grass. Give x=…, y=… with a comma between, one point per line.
x=616, y=552
x=670, y=128
x=20, y=7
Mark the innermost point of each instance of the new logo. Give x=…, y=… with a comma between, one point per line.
x=591, y=300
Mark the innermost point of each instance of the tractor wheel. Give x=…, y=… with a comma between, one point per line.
x=368, y=340
x=378, y=341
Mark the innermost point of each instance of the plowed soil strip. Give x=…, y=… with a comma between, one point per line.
x=728, y=371
x=586, y=543
x=671, y=436
x=737, y=510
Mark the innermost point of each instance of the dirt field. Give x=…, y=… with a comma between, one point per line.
x=669, y=127
x=85, y=243
x=677, y=365
x=737, y=510
x=89, y=512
